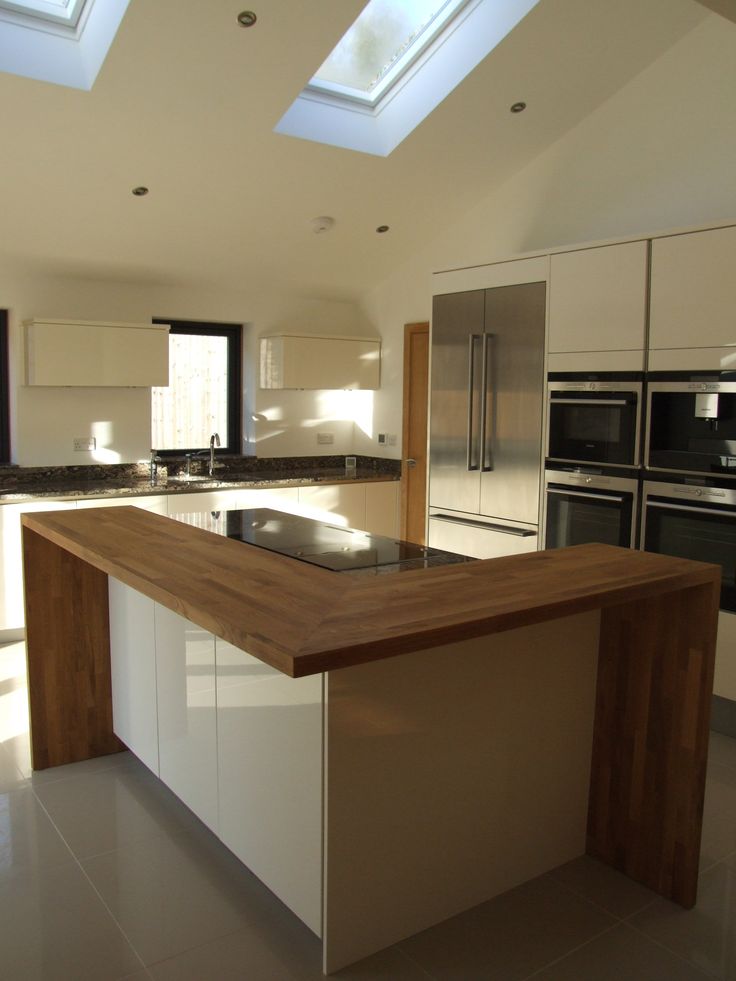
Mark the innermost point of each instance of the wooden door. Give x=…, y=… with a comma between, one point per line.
x=414, y=435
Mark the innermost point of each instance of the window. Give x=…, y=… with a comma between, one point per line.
x=204, y=391
x=4, y=390
x=382, y=43
x=397, y=62
x=59, y=41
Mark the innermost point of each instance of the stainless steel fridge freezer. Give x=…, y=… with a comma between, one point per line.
x=486, y=419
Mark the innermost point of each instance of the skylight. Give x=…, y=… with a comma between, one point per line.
x=397, y=62
x=65, y=12
x=60, y=41
x=381, y=44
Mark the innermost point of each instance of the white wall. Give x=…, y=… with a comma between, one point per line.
x=659, y=154
x=45, y=421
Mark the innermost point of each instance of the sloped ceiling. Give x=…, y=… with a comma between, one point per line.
x=186, y=104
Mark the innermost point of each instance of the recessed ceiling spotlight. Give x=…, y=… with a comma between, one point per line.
x=321, y=224
x=246, y=18
x=518, y=107
x=381, y=229
x=140, y=191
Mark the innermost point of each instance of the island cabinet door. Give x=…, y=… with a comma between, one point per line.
x=269, y=735
x=133, y=672
x=187, y=724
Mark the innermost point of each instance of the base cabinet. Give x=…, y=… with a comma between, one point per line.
x=133, y=670
x=240, y=743
x=187, y=716
x=269, y=760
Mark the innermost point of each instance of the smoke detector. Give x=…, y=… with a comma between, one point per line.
x=322, y=224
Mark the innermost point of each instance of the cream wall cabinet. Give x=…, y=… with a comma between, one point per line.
x=693, y=290
x=598, y=299
x=304, y=361
x=75, y=353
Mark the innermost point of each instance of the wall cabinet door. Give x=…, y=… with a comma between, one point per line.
x=693, y=291
x=187, y=722
x=133, y=671
x=598, y=299
x=12, y=612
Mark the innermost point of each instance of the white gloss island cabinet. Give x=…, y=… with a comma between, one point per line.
x=86, y=354
x=237, y=741
x=598, y=303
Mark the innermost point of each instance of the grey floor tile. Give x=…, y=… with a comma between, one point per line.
x=621, y=954
x=53, y=927
x=97, y=812
x=170, y=894
x=509, y=937
x=704, y=935
x=11, y=776
x=28, y=839
x=604, y=886
x=722, y=750
x=96, y=765
x=719, y=815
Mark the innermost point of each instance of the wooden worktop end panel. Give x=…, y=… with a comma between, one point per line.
x=303, y=620
x=68, y=644
x=650, y=749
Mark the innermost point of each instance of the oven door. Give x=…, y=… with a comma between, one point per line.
x=581, y=509
x=693, y=523
x=594, y=426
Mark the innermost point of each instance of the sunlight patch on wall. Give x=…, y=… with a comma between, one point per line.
x=103, y=434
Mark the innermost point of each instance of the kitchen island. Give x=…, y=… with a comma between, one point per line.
x=390, y=750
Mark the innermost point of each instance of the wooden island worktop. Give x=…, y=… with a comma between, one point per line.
x=652, y=620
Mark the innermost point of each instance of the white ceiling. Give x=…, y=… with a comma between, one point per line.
x=186, y=103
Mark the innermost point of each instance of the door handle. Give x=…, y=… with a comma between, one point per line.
x=410, y=463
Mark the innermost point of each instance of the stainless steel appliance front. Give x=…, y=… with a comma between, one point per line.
x=486, y=404
x=594, y=419
x=693, y=521
x=691, y=424
x=589, y=507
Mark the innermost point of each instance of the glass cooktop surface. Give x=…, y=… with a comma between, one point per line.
x=329, y=546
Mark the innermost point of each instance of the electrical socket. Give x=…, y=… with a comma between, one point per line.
x=392, y=439
x=85, y=443
x=325, y=437
x=382, y=439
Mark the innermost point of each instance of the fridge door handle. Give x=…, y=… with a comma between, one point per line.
x=486, y=425
x=486, y=525
x=473, y=447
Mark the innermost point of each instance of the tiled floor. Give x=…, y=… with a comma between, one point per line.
x=104, y=874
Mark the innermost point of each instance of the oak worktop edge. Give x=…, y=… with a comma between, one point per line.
x=303, y=620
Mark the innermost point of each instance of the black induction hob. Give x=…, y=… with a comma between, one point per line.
x=329, y=546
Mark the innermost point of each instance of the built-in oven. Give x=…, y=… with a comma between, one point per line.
x=582, y=507
x=693, y=521
x=594, y=418
x=691, y=423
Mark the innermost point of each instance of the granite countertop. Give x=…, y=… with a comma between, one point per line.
x=58, y=483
